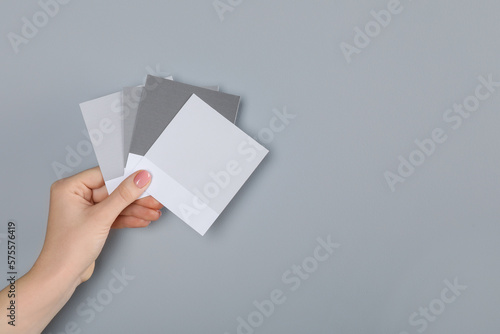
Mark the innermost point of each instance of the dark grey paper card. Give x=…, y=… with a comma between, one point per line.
x=162, y=99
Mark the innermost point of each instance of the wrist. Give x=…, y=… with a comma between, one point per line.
x=54, y=276
x=42, y=292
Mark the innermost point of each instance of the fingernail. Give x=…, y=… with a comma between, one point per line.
x=159, y=211
x=142, y=179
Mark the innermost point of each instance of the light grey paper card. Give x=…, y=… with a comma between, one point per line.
x=162, y=99
x=103, y=118
x=131, y=99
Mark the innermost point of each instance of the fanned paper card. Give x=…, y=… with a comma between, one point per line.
x=105, y=118
x=199, y=162
x=161, y=100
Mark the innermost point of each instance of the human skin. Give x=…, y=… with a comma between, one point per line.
x=81, y=215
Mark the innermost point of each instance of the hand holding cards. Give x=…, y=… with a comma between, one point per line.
x=185, y=136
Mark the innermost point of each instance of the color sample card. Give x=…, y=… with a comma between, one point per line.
x=131, y=99
x=110, y=120
x=199, y=162
x=103, y=118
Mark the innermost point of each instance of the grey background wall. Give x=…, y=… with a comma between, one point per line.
x=325, y=176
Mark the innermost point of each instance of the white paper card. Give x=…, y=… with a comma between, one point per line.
x=199, y=163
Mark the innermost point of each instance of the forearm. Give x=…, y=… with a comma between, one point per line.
x=80, y=216
x=39, y=296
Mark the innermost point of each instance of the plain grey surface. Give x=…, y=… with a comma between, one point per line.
x=162, y=99
x=324, y=176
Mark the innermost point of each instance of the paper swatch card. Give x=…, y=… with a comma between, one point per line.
x=131, y=99
x=110, y=120
x=199, y=162
x=103, y=118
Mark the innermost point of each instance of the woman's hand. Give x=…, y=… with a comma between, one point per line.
x=81, y=215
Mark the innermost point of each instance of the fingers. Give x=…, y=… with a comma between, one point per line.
x=99, y=194
x=130, y=222
x=126, y=193
x=91, y=178
x=141, y=212
x=149, y=202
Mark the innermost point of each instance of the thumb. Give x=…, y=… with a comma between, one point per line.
x=126, y=193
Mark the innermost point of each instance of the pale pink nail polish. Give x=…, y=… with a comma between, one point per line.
x=142, y=179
